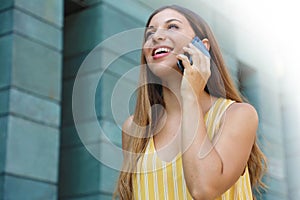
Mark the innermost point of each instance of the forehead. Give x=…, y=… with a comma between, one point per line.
x=165, y=15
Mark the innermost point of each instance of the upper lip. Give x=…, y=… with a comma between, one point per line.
x=158, y=47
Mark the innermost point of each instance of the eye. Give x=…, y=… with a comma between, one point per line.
x=172, y=26
x=148, y=34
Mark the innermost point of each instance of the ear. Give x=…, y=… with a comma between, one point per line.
x=206, y=43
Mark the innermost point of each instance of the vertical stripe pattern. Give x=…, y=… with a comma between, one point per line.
x=160, y=180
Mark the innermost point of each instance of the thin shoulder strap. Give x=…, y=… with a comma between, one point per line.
x=215, y=115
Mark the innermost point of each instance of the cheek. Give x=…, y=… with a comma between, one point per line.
x=182, y=41
x=147, y=54
x=146, y=49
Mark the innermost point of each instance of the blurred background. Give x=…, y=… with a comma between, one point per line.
x=42, y=45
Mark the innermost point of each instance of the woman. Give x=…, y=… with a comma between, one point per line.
x=191, y=136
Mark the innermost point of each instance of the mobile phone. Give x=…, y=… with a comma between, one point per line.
x=199, y=44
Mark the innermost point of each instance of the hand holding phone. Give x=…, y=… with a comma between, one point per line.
x=199, y=44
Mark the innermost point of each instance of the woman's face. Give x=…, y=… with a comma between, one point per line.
x=167, y=33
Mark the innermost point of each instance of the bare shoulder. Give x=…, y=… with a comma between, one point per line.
x=126, y=132
x=243, y=111
x=242, y=117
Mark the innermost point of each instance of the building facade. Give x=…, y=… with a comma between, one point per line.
x=43, y=44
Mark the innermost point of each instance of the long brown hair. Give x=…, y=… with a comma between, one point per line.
x=219, y=84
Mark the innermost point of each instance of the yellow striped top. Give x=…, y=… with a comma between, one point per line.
x=156, y=179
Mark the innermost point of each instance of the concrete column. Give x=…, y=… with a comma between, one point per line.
x=87, y=24
x=30, y=90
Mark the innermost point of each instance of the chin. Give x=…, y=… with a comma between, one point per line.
x=162, y=70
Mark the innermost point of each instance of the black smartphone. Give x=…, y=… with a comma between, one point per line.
x=199, y=44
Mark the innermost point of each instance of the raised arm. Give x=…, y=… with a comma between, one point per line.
x=210, y=176
x=209, y=169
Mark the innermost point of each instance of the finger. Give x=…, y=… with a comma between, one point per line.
x=199, y=58
x=189, y=50
x=185, y=60
x=195, y=54
x=197, y=49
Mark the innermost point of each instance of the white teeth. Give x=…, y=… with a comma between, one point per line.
x=161, y=50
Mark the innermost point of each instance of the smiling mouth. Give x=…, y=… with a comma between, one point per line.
x=161, y=50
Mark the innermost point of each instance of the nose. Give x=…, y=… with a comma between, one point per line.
x=160, y=34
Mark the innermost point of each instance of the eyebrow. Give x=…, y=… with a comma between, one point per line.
x=166, y=22
x=170, y=20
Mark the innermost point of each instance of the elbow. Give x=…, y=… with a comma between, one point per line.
x=206, y=193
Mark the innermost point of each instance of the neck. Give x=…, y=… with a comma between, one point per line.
x=173, y=99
